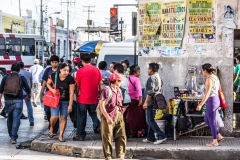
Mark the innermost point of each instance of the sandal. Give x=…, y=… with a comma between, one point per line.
x=220, y=140
x=51, y=135
x=61, y=140
x=212, y=145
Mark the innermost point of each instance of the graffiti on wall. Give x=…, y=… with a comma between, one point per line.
x=202, y=22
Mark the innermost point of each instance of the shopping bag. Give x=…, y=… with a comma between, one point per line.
x=223, y=103
x=51, y=99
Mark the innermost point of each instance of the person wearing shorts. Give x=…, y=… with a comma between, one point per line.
x=65, y=84
x=36, y=70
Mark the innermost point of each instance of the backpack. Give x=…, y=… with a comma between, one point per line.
x=99, y=113
x=13, y=85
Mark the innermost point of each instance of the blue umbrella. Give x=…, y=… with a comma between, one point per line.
x=89, y=46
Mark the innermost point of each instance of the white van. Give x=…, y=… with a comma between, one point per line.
x=116, y=52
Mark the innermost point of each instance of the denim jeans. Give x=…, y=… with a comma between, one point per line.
x=152, y=126
x=82, y=118
x=14, y=110
x=48, y=113
x=29, y=109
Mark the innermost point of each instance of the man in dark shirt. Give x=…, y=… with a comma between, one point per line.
x=14, y=105
x=54, y=60
x=112, y=118
x=153, y=86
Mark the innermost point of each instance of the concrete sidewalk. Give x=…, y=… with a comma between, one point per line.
x=183, y=148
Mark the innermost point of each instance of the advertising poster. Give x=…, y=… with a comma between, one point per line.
x=228, y=15
x=173, y=20
x=202, y=23
x=150, y=24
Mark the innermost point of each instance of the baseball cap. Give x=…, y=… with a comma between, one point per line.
x=76, y=59
x=36, y=61
x=115, y=77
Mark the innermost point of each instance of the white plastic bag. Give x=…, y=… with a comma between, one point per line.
x=219, y=120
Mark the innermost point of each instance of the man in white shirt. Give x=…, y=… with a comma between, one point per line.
x=36, y=70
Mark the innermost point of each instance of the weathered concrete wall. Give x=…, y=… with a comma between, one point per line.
x=174, y=69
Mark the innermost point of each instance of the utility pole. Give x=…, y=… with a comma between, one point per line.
x=121, y=22
x=67, y=54
x=89, y=22
x=20, y=8
x=41, y=19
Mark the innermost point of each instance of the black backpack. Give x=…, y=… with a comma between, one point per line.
x=13, y=85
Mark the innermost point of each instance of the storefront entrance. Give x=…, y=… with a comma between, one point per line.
x=236, y=103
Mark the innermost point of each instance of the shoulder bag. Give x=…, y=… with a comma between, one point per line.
x=50, y=99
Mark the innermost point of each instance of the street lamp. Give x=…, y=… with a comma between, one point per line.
x=54, y=13
x=48, y=17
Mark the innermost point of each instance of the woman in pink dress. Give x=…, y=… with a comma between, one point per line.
x=136, y=115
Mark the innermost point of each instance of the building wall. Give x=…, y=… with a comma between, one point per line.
x=8, y=20
x=61, y=36
x=173, y=67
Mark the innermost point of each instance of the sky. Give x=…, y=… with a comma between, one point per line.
x=78, y=17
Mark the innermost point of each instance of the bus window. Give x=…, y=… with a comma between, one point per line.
x=13, y=45
x=28, y=47
x=2, y=46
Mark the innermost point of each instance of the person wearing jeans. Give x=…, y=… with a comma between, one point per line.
x=88, y=84
x=82, y=110
x=152, y=126
x=29, y=110
x=14, y=104
x=14, y=110
x=153, y=86
x=29, y=78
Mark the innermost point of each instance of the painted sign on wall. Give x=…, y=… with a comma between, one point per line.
x=202, y=21
x=173, y=19
x=161, y=24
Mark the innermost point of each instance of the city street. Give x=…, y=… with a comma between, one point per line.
x=9, y=151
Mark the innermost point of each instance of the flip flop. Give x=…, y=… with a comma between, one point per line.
x=50, y=135
x=211, y=145
x=61, y=140
x=220, y=140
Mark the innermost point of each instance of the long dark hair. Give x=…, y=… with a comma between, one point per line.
x=63, y=65
x=208, y=68
x=231, y=12
x=134, y=69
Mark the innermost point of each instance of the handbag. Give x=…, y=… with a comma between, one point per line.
x=223, y=103
x=182, y=121
x=50, y=99
x=159, y=101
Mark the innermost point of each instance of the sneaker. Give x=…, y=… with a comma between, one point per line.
x=54, y=134
x=31, y=123
x=13, y=141
x=77, y=138
x=146, y=141
x=164, y=139
x=159, y=141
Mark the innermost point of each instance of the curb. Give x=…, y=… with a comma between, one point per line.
x=93, y=152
